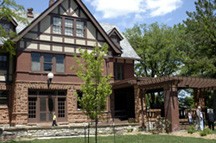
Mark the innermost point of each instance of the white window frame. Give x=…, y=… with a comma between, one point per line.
x=80, y=25
x=57, y=25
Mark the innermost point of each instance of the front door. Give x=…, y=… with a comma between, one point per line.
x=43, y=103
x=47, y=107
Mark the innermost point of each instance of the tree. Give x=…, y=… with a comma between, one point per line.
x=9, y=10
x=159, y=49
x=201, y=34
x=96, y=87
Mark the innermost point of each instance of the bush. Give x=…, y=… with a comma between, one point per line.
x=205, y=132
x=191, y=129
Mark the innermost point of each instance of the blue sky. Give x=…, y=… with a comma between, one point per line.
x=126, y=13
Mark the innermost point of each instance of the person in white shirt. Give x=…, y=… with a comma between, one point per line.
x=199, y=118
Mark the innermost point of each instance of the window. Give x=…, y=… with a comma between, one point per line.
x=3, y=97
x=47, y=62
x=7, y=27
x=79, y=28
x=57, y=25
x=79, y=96
x=60, y=63
x=119, y=73
x=32, y=107
x=41, y=103
x=61, y=107
x=69, y=27
x=35, y=61
x=3, y=62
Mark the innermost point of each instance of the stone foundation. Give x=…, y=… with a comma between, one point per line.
x=68, y=131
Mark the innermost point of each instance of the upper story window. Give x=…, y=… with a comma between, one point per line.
x=80, y=28
x=47, y=65
x=47, y=62
x=69, y=27
x=119, y=71
x=57, y=25
x=59, y=63
x=35, y=61
x=3, y=62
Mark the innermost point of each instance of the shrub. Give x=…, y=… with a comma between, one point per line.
x=191, y=129
x=205, y=132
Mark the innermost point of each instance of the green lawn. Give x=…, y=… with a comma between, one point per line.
x=128, y=139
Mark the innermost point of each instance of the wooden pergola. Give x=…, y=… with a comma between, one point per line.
x=170, y=86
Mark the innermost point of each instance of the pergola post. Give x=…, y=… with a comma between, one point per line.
x=171, y=107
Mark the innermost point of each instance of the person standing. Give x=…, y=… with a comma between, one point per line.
x=211, y=119
x=199, y=114
x=190, y=119
x=54, y=123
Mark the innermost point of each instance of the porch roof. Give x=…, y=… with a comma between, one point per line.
x=181, y=82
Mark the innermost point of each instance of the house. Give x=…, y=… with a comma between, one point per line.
x=39, y=81
x=46, y=47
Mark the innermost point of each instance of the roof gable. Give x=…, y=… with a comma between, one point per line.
x=86, y=12
x=115, y=31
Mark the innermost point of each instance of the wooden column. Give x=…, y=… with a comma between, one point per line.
x=171, y=107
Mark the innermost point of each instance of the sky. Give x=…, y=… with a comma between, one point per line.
x=126, y=13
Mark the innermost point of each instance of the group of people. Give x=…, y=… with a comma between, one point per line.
x=200, y=118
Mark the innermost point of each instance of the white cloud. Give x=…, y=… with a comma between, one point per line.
x=162, y=7
x=119, y=8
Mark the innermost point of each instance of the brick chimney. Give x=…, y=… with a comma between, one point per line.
x=51, y=2
x=30, y=13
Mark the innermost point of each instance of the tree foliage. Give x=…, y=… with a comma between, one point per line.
x=10, y=10
x=96, y=87
x=201, y=37
x=159, y=48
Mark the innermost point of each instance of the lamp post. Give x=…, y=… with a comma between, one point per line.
x=50, y=76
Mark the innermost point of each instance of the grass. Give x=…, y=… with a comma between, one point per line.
x=127, y=139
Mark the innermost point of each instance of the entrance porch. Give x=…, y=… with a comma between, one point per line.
x=170, y=87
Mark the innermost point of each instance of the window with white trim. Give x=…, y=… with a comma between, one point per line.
x=79, y=28
x=57, y=25
x=69, y=27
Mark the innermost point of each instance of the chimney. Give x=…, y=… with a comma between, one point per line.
x=30, y=13
x=51, y=2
